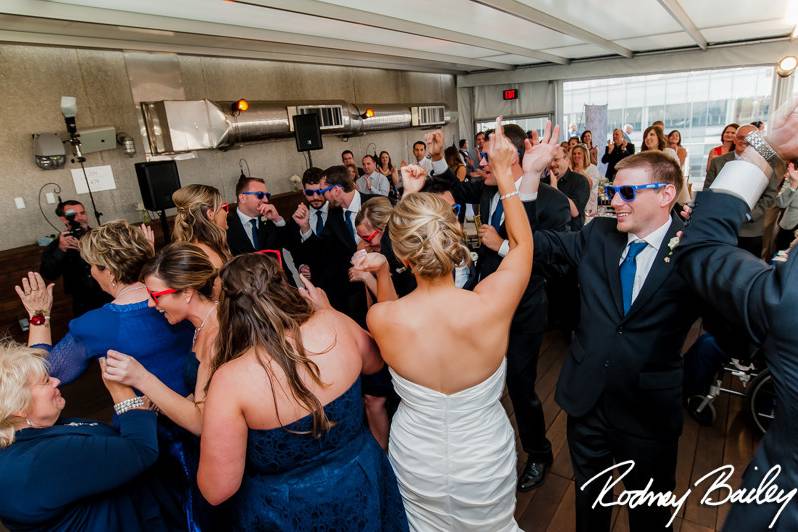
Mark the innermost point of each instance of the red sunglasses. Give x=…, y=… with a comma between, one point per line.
x=225, y=207
x=275, y=252
x=372, y=236
x=156, y=295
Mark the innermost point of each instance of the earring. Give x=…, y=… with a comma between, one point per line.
x=29, y=423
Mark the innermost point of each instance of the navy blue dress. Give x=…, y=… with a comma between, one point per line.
x=340, y=481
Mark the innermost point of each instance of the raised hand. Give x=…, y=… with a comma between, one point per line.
x=66, y=242
x=314, y=295
x=434, y=141
x=302, y=217
x=269, y=211
x=501, y=153
x=369, y=262
x=123, y=369
x=537, y=157
x=36, y=295
x=413, y=178
x=792, y=175
x=783, y=133
x=148, y=234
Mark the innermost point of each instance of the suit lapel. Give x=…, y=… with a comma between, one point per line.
x=337, y=223
x=239, y=233
x=612, y=258
x=659, y=270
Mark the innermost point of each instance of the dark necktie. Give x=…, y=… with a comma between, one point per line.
x=319, y=222
x=628, y=271
x=255, y=240
x=496, y=219
x=348, y=218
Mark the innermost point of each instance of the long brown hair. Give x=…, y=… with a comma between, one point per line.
x=192, y=224
x=183, y=265
x=259, y=309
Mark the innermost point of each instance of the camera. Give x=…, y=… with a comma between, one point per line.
x=75, y=229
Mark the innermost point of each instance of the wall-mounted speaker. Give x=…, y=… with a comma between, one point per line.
x=157, y=181
x=307, y=131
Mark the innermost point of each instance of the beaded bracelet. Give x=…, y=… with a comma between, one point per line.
x=128, y=404
x=508, y=195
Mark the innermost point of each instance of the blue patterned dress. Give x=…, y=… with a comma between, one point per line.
x=340, y=481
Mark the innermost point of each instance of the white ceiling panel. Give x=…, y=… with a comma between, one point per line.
x=715, y=13
x=272, y=19
x=750, y=30
x=511, y=59
x=465, y=16
x=578, y=51
x=658, y=42
x=611, y=19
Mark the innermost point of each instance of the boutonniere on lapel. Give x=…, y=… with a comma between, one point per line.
x=672, y=243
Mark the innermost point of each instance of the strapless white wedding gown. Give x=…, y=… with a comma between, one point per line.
x=454, y=457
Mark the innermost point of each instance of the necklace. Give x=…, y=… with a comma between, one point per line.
x=198, y=329
x=136, y=286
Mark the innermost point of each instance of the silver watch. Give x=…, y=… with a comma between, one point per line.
x=757, y=142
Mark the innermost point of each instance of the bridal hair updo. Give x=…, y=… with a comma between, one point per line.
x=426, y=235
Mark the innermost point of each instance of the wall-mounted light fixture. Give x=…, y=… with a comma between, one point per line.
x=786, y=66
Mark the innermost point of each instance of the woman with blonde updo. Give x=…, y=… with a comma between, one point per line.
x=445, y=348
x=80, y=475
x=283, y=432
x=202, y=220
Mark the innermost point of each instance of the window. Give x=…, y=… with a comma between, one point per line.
x=527, y=123
x=698, y=104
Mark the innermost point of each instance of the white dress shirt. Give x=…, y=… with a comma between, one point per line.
x=645, y=259
x=354, y=208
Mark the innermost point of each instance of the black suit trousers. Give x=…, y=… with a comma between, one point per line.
x=522, y=364
x=596, y=446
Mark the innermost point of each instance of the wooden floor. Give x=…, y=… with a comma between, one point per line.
x=701, y=449
x=551, y=507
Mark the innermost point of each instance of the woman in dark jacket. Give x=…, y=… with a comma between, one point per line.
x=72, y=476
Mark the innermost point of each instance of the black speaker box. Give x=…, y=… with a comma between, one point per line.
x=157, y=181
x=307, y=132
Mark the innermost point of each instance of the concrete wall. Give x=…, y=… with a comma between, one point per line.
x=33, y=79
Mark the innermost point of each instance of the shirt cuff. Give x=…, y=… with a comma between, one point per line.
x=439, y=167
x=305, y=234
x=280, y=222
x=528, y=197
x=741, y=179
x=504, y=249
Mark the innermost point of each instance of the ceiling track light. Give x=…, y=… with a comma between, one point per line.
x=786, y=66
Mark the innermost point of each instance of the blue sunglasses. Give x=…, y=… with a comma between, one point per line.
x=629, y=192
x=310, y=193
x=259, y=195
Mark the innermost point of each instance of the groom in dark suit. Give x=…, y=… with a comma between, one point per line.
x=621, y=382
x=329, y=254
x=762, y=301
x=550, y=211
x=254, y=224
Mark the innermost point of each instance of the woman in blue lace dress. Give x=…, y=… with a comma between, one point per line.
x=283, y=432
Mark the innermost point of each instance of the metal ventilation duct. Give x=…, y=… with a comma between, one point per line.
x=181, y=126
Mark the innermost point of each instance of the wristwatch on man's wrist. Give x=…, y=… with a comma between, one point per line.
x=758, y=143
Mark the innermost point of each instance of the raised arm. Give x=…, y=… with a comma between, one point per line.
x=511, y=278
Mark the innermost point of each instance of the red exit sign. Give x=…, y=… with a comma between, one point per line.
x=510, y=94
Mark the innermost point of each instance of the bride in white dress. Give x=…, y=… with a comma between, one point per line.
x=451, y=444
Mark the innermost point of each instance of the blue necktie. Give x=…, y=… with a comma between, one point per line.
x=255, y=240
x=319, y=223
x=628, y=271
x=496, y=219
x=348, y=217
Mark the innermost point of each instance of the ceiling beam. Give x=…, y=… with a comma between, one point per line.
x=375, y=20
x=52, y=10
x=530, y=14
x=19, y=37
x=675, y=10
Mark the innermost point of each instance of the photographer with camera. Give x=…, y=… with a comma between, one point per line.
x=62, y=257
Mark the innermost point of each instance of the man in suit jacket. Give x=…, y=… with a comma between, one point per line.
x=573, y=185
x=621, y=383
x=750, y=237
x=760, y=299
x=526, y=332
x=329, y=255
x=255, y=223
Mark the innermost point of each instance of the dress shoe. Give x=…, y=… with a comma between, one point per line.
x=533, y=476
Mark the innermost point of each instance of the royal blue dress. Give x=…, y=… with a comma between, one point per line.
x=340, y=481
